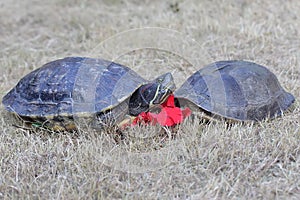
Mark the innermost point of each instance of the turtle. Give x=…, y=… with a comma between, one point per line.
x=105, y=93
x=73, y=88
x=236, y=90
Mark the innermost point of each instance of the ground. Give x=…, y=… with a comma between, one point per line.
x=197, y=160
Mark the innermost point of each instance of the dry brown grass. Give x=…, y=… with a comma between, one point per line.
x=202, y=161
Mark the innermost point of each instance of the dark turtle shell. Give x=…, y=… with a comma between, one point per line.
x=238, y=90
x=73, y=86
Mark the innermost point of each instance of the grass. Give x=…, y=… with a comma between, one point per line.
x=199, y=160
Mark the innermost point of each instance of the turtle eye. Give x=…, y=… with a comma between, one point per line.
x=160, y=80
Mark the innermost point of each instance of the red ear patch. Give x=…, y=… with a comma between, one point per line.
x=169, y=115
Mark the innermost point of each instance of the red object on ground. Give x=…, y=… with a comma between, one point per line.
x=169, y=115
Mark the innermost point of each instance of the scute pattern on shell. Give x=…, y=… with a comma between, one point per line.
x=53, y=89
x=236, y=89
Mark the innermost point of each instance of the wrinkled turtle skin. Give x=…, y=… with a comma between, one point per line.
x=237, y=90
x=75, y=88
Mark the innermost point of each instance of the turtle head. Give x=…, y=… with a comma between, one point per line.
x=151, y=94
x=162, y=87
